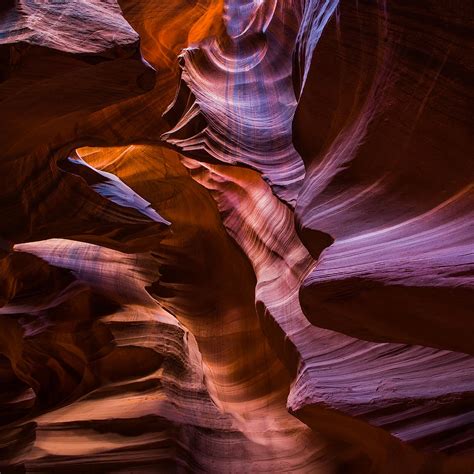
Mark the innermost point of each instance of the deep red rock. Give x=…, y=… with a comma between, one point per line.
x=236, y=236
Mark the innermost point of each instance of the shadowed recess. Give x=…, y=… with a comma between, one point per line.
x=236, y=236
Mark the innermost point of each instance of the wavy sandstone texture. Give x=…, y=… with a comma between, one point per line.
x=237, y=236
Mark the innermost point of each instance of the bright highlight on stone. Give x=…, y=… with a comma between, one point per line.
x=237, y=236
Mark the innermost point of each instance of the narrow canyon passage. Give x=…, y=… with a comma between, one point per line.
x=213, y=295
x=236, y=236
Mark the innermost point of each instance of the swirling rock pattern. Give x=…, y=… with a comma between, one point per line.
x=236, y=236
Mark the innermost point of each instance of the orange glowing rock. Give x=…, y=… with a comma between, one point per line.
x=236, y=236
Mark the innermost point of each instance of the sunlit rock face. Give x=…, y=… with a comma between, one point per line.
x=236, y=236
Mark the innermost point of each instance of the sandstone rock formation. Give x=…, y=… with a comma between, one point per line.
x=237, y=236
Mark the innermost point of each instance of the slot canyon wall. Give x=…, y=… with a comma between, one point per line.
x=237, y=236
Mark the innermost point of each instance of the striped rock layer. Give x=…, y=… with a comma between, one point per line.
x=237, y=236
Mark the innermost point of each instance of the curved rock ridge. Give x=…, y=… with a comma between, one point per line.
x=236, y=236
x=324, y=362
x=390, y=177
x=144, y=412
x=239, y=92
x=55, y=25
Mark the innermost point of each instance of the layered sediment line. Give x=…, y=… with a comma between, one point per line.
x=236, y=236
